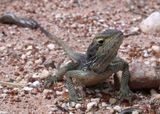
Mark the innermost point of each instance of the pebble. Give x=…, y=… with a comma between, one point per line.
x=134, y=29
x=28, y=53
x=147, y=62
x=104, y=104
x=78, y=106
x=46, y=91
x=145, y=53
x=71, y=104
x=90, y=105
x=3, y=95
x=64, y=105
x=151, y=23
x=3, y=112
x=156, y=48
x=97, y=90
x=95, y=100
x=112, y=100
x=27, y=88
x=35, y=84
x=135, y=112
x=30, y=47
x=51, y=46
x=59, y=92
x=117, y=108
x=44, y=74
x=2, y=48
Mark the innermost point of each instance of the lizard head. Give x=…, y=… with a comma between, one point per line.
x=104, y=47
x=106, y=40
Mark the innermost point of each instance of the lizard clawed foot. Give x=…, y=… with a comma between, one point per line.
x=50, y=80
x=125, y=94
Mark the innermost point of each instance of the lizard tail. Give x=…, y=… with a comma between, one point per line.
x=11, y=18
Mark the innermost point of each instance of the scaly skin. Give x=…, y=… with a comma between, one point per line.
x=99, y=62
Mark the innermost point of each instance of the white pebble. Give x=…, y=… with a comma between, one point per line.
x=64, y=105
x=27, y=88
x=156, y=48
x=3, y=112
x=30, y=47
x=117, y=108
x=59, y=92
x=71, y=104
x=90, y=105
x=46, y=91
x=44, y=74
x=147, y=62
x=151, y=23
x=145, y=53
x=135, y=112
x=95, y=100
x=104, y=104
x=35, y=84
x=78, y=106
x=51, y=46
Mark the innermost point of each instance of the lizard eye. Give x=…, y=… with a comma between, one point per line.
x=100, y=41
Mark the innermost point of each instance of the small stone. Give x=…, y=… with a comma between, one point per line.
x=3, y=112
x=111, y=110
x=28, y=53
x=27, y=89
x=59, y=92
x=2, y=48
x=117, y=108
x=35, y=84
x=38, y=61
x=135, y=112
x=97, y=90
x=23, y=56
x=78, y=106
x=145, y=53
x=104, y=104
x=95, y=100
x=71, y=104
x=3, y=95
x=90, y=105
x=54, y=109
x=147, y=62
x=46, y=91
x=151, y=23
x=134, y=29
x=30, y=47
x=64, y=105
x=51, y=46
x=156, y=48
x=44, y=74
x=112, y=100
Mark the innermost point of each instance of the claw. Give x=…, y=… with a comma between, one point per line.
x=51, y=80
x=126, y=94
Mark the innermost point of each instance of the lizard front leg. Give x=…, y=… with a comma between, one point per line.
x=119, y=64
x=82, y=77
x=60, y=73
